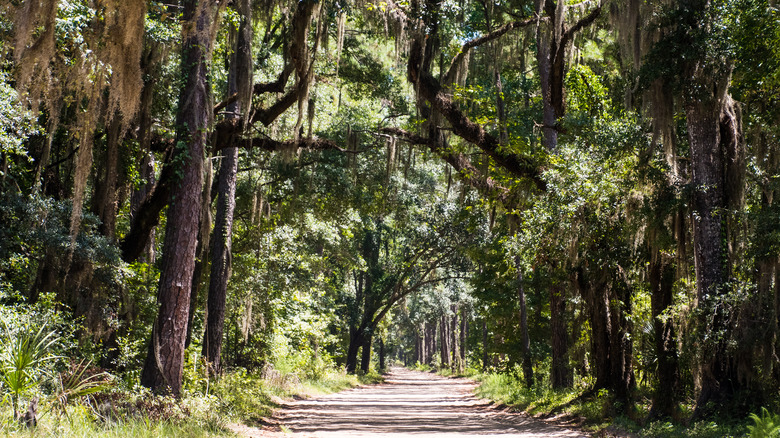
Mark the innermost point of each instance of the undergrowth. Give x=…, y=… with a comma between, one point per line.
x=600, y=414
x=205, y=410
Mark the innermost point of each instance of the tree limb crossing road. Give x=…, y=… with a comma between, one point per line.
x=411, y=403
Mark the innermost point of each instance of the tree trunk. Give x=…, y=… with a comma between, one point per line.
x=419, y=347
x=164, y=365
x=528, y=370
x=620, y=357
x=661, y=278
x=221, y=259
x=239, y=81
x=464, y=335
x=457, y=361
x=147, y=253
x=381, y=355
x=547, y=43
x=485, y=356
x=430, y=342
x=365, y=357
x=204, y=234
x=595, y=290
x=561, y=373
x=444, y=342
x=703, y=120
x=356, y=340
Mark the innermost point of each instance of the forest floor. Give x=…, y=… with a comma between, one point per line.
x=409, y=403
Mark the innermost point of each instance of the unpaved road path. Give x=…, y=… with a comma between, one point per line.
x=408, y=404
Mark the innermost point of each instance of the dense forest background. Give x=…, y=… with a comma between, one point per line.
x=576, y=194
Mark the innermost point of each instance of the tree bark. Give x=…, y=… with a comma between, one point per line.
x=356, y=340
x=204, y=235
x=464, y=335
x=528, y=370
x=164, y=365
x=430, y=342
x=365, y=354
x=239, y=82
x=661, y=278
x=221, y=259
x=561, y=373
x=146, y=253
x=382, y=366
x=485, y=356
x=457, y=361
x=444, y=341
x=620, y=353
x=703, y=118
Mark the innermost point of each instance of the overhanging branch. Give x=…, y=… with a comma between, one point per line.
x=460, y=162
x=476, y=42
x=430, y=89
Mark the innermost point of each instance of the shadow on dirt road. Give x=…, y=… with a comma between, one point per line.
x=410, y=403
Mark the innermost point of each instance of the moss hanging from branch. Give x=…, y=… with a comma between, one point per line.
x=124, y=34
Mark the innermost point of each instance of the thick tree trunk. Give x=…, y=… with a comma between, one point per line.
x=365, y=354
x=595, y=290
x=164, y=365
x=620, y=348
x=661, y=278
x=356, y=340
x=710, y=256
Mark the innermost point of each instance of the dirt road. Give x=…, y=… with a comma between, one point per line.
x=409, y=403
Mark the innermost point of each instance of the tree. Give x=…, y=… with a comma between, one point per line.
x=165, y=359
x=239, y=79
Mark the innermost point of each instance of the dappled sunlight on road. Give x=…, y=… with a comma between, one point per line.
x=411, y=403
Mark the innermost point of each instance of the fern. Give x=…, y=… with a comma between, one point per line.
x=766, y=426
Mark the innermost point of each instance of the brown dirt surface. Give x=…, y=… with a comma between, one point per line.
x=409, y=403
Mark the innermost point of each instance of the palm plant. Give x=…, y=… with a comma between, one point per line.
x=78, y=383
x=22, y=357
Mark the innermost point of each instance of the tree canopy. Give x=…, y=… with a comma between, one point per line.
x=582, y=189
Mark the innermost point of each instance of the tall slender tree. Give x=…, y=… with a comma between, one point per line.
x=164, y=364
x=239, y=84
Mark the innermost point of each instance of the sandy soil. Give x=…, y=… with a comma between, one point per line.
x=409, y=403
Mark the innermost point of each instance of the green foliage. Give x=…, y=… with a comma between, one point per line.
x=702, y=429
x=765, y=426
x=540, y=399
x=17, y=124
x=78, y=382
x=25, y=354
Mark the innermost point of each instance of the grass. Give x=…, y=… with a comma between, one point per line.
x=205, y=410
x=599, y=412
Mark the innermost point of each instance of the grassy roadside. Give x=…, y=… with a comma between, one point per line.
x=601, y=416
x=205, y=410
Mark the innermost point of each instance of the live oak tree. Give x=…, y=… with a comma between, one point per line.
x=620, y=158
